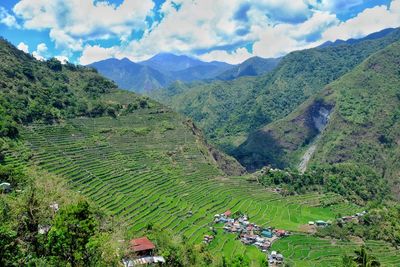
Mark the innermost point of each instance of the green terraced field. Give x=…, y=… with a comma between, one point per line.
x=302, y=250
x=149, y=167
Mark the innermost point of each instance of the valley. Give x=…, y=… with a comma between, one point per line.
x=305, y=145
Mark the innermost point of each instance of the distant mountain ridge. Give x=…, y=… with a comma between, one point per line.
x=165, y=68
x=372, y=36
x=230, y=111
x=253, y=66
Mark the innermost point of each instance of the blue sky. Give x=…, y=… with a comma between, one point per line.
x=84, y=31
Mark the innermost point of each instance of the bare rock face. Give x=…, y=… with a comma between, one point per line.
x=229, y=165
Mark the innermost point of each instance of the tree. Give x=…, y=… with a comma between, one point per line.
x=8, y=246
x=71, y=232
x=363, y=259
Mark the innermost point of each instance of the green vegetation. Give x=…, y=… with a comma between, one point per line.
x=358, y=185
x=229, y=111
x=311, y=251
x=48, y=91
x=139, y=169
x=32, y=233
x=363, y=128
x=380, y=223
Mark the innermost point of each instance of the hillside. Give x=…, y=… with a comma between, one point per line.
x=251, y=67
x=130, y=75
x=142, y=164
x=158, y=71
x=229, y=111
x=362, y=127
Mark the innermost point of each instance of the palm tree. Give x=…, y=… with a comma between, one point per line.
x=363, y=259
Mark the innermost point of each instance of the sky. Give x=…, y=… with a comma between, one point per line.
x=85, y=31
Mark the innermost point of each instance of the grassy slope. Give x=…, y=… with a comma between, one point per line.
x=227, y=111
x=147, y=166
x=140, y=168
x=364, y=125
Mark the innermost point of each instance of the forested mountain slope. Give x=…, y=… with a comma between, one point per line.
x=228, y=111
x=363, y=125
x=251, y=67
x=130, y=75
x=145, y=170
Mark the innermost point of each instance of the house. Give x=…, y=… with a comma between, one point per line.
x=266, y=233
x=227, y=213
x=280, y=232
x=321, y=223
x=43, y=229
x=142, y=246
x=143, y=261
x=273, y=254
x=5, y=187
x=54, y=206
x=279, y=257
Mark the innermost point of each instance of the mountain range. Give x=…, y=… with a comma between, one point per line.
x=119, y=165
x=163, y=69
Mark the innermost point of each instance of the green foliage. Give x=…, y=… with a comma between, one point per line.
x=380, y=223
x=228, y=110
x=32, y=90
x=71, y=234
x=362, y=259
x=9, y=250
x=357, y=183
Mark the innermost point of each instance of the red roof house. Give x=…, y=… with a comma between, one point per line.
x=228, y=213
x=280, y=232
x=142, y=245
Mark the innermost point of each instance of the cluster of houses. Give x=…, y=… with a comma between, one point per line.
x=345, y=219
x=252, y=234
x=208, y=238
x=353, y=218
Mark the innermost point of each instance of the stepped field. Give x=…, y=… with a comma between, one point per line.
x=148, y=167
x=302, y=250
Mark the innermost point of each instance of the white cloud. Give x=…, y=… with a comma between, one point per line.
x=23, y=47
x=334, y=5
x=95, y=53
x=275, y=27
x=62, y=59
x=8, y=19
x=237, y=56
x=280, y=39
x=369, y=21
x=41, y=52
x=72, y=22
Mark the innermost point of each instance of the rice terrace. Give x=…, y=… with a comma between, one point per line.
x=196, y=133
x=176, y=186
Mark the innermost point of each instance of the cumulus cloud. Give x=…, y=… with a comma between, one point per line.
x=72, y=22
x=366, y=22
x=8, y=19
x=23, y=47
x=334, y=5
x=235, y=57
x=41, y=52
x=62, y=59
x=95, y=53
x=208, y=29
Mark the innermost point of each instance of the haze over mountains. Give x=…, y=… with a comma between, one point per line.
x=165, y=68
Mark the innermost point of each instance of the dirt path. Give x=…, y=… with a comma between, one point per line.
x=306, y=158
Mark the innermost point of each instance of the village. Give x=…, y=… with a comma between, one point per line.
x=250, y=233
x=263, y=237
x=143, y=251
